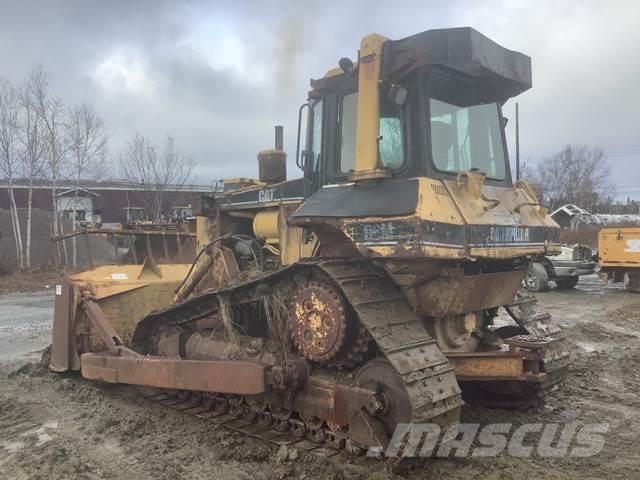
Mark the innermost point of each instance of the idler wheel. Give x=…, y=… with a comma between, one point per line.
x=455, y=333
x=378, y=375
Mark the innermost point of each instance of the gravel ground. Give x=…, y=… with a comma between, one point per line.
x=60, y=426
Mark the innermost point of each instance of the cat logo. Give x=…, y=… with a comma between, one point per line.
x=633, y=246
x=265, y=195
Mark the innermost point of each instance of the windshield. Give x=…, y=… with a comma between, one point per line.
x=465, y=135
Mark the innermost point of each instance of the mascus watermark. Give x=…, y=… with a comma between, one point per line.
x=474, y=440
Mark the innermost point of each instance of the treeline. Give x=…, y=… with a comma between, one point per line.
x=42, y=138
x=578, y=174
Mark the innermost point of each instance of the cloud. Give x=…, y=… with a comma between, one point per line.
x=219, y=75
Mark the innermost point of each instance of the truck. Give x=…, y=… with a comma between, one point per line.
x=565, y=268
x=619, y=256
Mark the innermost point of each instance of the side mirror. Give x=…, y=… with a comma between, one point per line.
x=397, y=94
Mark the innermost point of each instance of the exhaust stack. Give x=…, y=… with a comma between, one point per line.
x=272, y=164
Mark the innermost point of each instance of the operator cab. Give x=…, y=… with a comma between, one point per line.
x=440, y=110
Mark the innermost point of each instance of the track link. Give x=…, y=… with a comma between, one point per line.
x=400, y=335
x=290, y=432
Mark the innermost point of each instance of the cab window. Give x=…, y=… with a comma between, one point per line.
x=316, y=135
x=391, y=142
x=348, y=119
x=390, y=145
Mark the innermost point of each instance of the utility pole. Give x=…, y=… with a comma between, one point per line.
x=517, y=143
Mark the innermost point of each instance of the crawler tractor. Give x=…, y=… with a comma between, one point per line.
x=364, y=294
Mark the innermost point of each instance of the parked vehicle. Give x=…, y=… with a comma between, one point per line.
x=619, y=256
x=564, y=269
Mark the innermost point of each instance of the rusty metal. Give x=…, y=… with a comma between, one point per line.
x=277, y=425
x=233, y=376
x=179, y=242
x=153, y=245
x=148, y=243
x=64, y=354
x=538, y=323
x=492, y=366
x=100, y=322
x=318, y=321
x=165, y=247
x=198, y=270
x=528, y=341
x=124, y=231
x=132, y=248
x=272, y=164
x=115, y=245
x=456, y=332
x=88, y=248
x=456, y=293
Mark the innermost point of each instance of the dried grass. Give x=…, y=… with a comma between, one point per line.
x=277, y=315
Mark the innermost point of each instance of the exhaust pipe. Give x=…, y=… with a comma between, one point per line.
x=279, y=138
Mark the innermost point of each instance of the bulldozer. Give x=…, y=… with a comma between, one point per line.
x=363, y=295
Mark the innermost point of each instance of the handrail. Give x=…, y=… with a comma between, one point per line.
x=298, y=163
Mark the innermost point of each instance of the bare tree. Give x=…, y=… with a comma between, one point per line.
x=9, y=155
x=34, y=147
x=154, y=171
x=577, y=174
x=52, y=112
x=87, y=154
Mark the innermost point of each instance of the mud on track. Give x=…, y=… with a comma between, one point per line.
x=54, y=426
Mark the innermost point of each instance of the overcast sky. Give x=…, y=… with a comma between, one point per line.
x=219, y=74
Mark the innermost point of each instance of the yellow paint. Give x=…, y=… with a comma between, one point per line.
x=265, y=225
x=126, y=293
x=368, y=123
x=619, y=247
x=435, y=203
x=295, y=242
x=203, y=225
x=333, y=72
x=467, y=201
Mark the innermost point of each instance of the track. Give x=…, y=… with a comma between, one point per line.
x=535, y=320
x=427, y=390
x=400, y=335
x=216, y=409
x=420, y=381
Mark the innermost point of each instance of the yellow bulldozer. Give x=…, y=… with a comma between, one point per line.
x=363, y=295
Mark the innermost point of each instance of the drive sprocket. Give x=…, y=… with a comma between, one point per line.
x=319, y=321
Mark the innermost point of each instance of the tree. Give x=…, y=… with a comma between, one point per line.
x=141, y=163
x=34, y=147
x=577, y=174
x=52, y=112
x=9, y=155
x=87, y=153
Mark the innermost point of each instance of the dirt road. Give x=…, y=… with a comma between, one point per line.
x=55, y=426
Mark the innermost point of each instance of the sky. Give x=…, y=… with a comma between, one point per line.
x=218, y=75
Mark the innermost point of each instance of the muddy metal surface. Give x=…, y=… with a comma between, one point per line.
x=55, y=426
